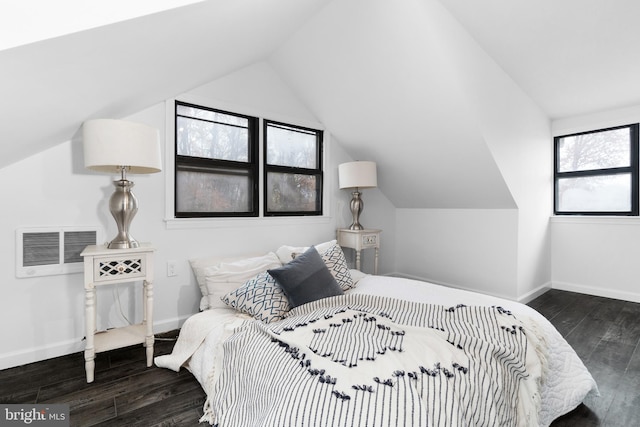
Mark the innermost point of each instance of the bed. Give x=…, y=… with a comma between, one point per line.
x=296, y=338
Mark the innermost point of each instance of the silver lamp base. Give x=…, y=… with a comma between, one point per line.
x=123, y=206
x=356, y=205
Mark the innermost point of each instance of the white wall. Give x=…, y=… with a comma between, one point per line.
x=597, y=256
x=456, y=134
x=517, y=134
x=473, y=249
x=44, y=317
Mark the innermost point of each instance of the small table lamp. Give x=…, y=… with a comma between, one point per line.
x=357, y=175
x=118, y=146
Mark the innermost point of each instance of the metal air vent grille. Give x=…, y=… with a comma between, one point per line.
x=51, y=250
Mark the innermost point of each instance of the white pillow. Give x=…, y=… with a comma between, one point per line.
x=200, y=265
x=287, y=253
x=227, y=276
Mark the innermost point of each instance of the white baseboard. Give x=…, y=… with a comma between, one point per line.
x=36, y=354
x=62, y=348
x=535, y=293
x=597, y=291
x=530, y=296
x=170, y=324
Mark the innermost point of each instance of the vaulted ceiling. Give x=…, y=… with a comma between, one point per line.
x=378, y=74
x=51, y=86
x=571, y=56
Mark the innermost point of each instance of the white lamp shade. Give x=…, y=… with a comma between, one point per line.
x=110, y=144
x=358, y=175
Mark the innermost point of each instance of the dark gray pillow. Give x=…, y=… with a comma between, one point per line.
x=306, y=278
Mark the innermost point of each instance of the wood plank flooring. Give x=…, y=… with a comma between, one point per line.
x=604, y=332
x=125, y=392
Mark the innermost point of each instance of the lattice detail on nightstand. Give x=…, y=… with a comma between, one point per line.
x=121, y=267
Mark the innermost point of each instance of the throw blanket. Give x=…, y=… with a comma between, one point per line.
x=362, y=360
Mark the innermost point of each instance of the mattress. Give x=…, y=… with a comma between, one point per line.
x=565, y=380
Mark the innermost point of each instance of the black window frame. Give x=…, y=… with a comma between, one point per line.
x=201, y=164
x=318, y=171
x=632, y=169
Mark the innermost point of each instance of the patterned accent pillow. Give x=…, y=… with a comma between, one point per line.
x=337, y=264
x=259, y=297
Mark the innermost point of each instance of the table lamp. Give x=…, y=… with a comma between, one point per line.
x=118, y=146
x=357, y=175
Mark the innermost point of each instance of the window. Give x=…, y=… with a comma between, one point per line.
x=596, y=173
x=292, y=170
x=216, y=163
x=217, y=171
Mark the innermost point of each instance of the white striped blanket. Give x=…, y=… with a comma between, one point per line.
x=362, y=360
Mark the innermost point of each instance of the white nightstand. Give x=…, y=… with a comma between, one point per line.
x=358, y=240
x=104, y=266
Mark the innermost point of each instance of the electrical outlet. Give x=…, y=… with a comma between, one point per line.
x=172, y=268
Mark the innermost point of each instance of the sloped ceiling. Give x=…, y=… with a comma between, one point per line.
x=572, y=57
x=28, y=21
x=372, y=71
x=50, y=87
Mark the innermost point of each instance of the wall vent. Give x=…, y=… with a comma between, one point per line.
x=51, y=250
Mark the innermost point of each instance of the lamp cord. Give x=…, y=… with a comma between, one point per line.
x=117, y=293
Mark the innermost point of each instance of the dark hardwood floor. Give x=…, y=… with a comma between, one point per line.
x=124, y=393
x=604, y=332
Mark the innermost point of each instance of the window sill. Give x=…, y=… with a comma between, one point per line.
x=191, y=223
x=589, y=219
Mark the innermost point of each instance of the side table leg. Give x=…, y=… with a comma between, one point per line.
x=148, y=311
x=375, y=262
x=358, y=260
x=90, y=327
